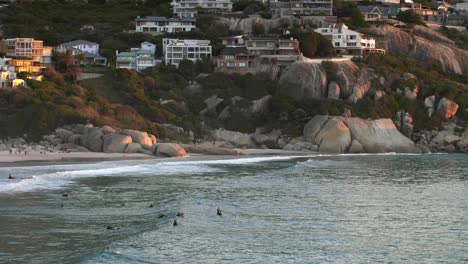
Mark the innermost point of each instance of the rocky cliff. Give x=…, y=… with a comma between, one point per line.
x=335, y=134
x=245, y=24
x=423, y=44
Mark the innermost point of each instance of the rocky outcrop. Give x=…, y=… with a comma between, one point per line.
x=451, y=138
x=429, y=104
x=336, y=134
x=404, y=123
x=333, y=91
x=211, y=104
x=170, y=150
x=245, y=24
x=304, y=80
x=237, y=139
x=425, y=45
x=447, y=108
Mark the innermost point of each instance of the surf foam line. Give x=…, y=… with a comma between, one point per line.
x=61, y=178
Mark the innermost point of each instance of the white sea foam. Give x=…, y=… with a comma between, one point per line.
x=47, y=179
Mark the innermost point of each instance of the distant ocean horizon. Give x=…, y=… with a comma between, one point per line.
x=348, y=208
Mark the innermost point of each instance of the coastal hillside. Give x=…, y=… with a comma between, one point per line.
x=420, y=82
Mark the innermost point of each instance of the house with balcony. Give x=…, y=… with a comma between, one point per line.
x=176, y=50
x=135, y=59
x=282, y=51
x=302, y=8
x=27, y=48
x=188, y=8
x=89, y=49
x=240, y=53
x=349, y=42
x=8, y=75
x=160, y=25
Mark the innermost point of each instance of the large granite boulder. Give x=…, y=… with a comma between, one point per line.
x=303, y=80
x=116, y=143
x=313, y=127
x=107, y=130
x=133, y=148
x=447, y=108
x=355, y=147
x=170, y=150
x=92, y=139
x=339, y=134
x=381, y=135
x=139, y=137
x=334, y=137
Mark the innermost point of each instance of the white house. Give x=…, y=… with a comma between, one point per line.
x=188, y=8
x=176, y=50
x=346, y=41
x=78, y=47
x=89, y=49
x=160, y=25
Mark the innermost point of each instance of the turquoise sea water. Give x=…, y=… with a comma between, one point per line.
x=317, y=209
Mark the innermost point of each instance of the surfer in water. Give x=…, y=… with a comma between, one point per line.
x=11, y=177
x=180, y=214
x=219, y=212
x=174, y=223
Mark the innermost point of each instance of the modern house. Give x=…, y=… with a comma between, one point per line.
x=27, y=48
x=302, y=8
x=135, y=60
x=8, y=76
x=160, y=25
x=188, y=8
x=240, y=52
x=176, y=50
x=89, y=49
x=349, y=42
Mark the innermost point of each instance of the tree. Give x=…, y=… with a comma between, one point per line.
x=258, y=29
x=410, y=17
x=313, y=44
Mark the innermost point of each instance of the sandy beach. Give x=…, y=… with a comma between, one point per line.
x=35, y=156
x=7, y=159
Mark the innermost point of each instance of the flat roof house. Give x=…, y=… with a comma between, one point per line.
x=188, y=8
x=159, y=25
x=176, y=50
x=27, y=47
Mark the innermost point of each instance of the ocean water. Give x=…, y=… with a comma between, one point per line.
x=312, y=209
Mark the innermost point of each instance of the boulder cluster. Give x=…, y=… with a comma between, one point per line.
x=451, y=138
x=111, y=140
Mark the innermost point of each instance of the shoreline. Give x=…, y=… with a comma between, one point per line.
x=35, y=158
